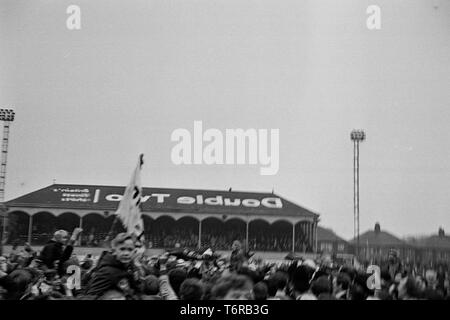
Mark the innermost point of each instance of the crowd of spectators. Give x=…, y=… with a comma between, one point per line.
x=124, y=272
x=217, y=238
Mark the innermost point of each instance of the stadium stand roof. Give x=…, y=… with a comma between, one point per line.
x=100, y=197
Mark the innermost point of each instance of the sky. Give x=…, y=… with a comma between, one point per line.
x=89, y=101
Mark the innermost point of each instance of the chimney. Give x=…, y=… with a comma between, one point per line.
x=377, y=228
x=441, y=233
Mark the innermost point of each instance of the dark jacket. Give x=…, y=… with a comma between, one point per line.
x=111, y=274
x=392, y=267
x=54, y=251
x=237, y=259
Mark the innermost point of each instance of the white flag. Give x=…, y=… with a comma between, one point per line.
x=129, y=211
x=356, y=264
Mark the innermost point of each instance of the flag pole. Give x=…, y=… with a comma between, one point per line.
x=108, y=236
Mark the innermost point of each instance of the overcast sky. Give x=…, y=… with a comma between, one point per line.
x=89, y=101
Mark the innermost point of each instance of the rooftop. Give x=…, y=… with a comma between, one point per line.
x=378, y=238
x=439, y=240
x=100, y=197
x=325, y=234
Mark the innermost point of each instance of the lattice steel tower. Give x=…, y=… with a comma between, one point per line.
x=7, y=116
x=356, y=136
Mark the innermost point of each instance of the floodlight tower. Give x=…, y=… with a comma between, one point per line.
x=356, y=136
x=7, y=116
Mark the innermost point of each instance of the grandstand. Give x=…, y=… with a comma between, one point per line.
x=188, y=217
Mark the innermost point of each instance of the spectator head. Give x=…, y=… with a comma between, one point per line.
x=326, y=296
x=21, y=281
x=277, y=281
x=383, y=294
x=191, y=289
x=71, y=262
x=301, y=277
x=260, y=291
x=321, y=285
x=357, y=292
x=236, y=245
x=420, y=283
x=27, y=247
x=50, y=274
x=35, y=263
x=233, y=287
x=176, y=278
x=431, y=277
x=253, y=275
x=208, y=254
x=350, y=272
x=310, y=263
x=61, y=236
x=207, y=291
x=112, y=295
x=150, y=285
x=392, y=256
x=407, y=289
x=87, y=264
x=6, y=287
x=341, y=282
x=398, y=277
x=86, y=297
x=123, y=247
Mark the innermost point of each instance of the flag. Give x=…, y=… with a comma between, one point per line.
x=356, y=264
x=129, y=211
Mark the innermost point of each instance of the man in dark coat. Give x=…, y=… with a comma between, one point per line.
x=393, y=265
x=114, y=271
x=237, y=257
x=59, y=250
